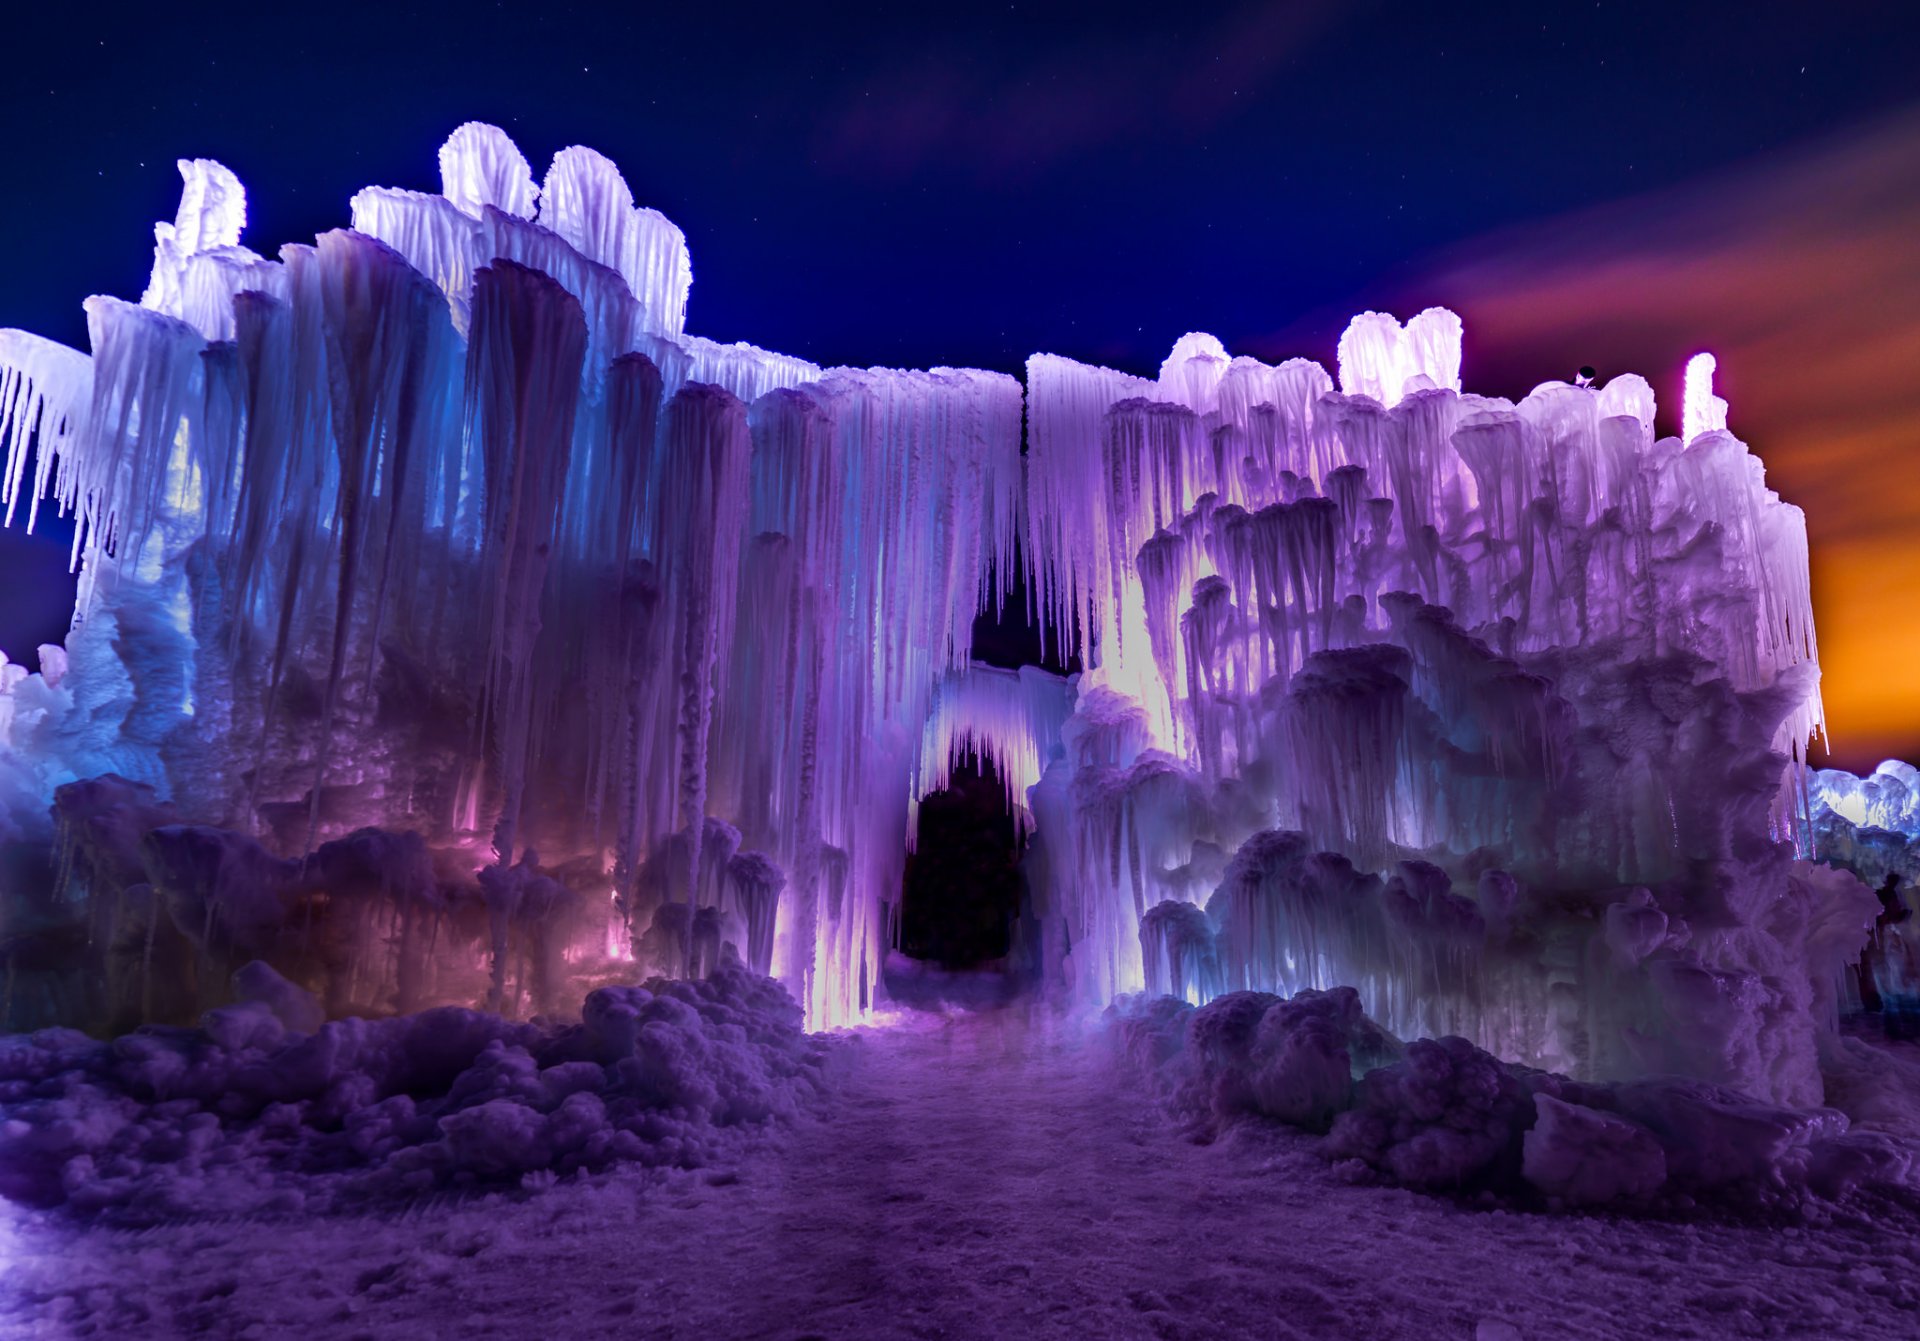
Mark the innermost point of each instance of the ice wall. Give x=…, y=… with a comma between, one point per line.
x=442, y=526
x=1492, y=710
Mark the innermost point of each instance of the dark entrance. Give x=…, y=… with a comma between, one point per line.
x=962, y=894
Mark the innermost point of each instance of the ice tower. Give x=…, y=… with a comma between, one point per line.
x=447, y=612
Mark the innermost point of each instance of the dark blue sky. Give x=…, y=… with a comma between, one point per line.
x=917, y=184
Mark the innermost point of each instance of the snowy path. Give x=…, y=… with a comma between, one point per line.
x=979, y=1179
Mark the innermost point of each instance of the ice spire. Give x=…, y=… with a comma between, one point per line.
x=586, y=202
x=481, y=169
x=1702, y=411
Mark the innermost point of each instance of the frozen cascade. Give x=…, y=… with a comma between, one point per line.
x=453, y=626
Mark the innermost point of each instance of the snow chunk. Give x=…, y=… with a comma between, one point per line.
x=1447, y=1116
x=1588, y=1157
x=1254, y=1053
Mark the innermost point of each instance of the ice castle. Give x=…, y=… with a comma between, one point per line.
x=453, y=626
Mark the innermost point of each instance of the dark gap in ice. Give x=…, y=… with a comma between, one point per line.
x=962, y=892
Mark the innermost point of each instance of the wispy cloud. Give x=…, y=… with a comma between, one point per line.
x=966, y=107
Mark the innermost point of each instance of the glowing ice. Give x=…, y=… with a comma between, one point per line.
x=1465, y=688
x=455, y=534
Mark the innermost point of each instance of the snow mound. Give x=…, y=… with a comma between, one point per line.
x=1253, y=1053
x=246, y=1115
x=1443, y=1115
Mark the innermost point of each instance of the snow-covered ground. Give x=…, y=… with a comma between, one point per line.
x=992, y=1176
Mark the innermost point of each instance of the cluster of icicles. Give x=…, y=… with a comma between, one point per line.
x=443, y=524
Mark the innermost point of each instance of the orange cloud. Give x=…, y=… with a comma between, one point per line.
x=1802, y=275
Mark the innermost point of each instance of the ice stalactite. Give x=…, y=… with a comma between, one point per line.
x=703, y=494
x=1011, y=718
x=753, y=891
x=45, y=391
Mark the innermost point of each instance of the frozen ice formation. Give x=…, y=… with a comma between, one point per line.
x=1871, y=826
x=454, y=627
x=1493, y=711
x=441, y=528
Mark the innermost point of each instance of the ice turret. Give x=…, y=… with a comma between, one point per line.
x=481, y=169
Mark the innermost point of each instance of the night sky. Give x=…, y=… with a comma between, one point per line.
x=914, y=185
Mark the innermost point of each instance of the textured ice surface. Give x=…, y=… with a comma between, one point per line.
x=1871, y=826
x=1493, y=711
x=442, y=527
x=454, y=629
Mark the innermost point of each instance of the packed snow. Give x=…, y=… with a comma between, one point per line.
x=1444, y=1115
x=991, y=1176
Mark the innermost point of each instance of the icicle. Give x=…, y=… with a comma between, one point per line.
x=702, y=502
x=1012, y=718
x=45, y=390
x=523, y=375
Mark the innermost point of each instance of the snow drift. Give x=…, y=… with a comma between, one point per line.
x=1443, y=1115
x=264, y=1110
